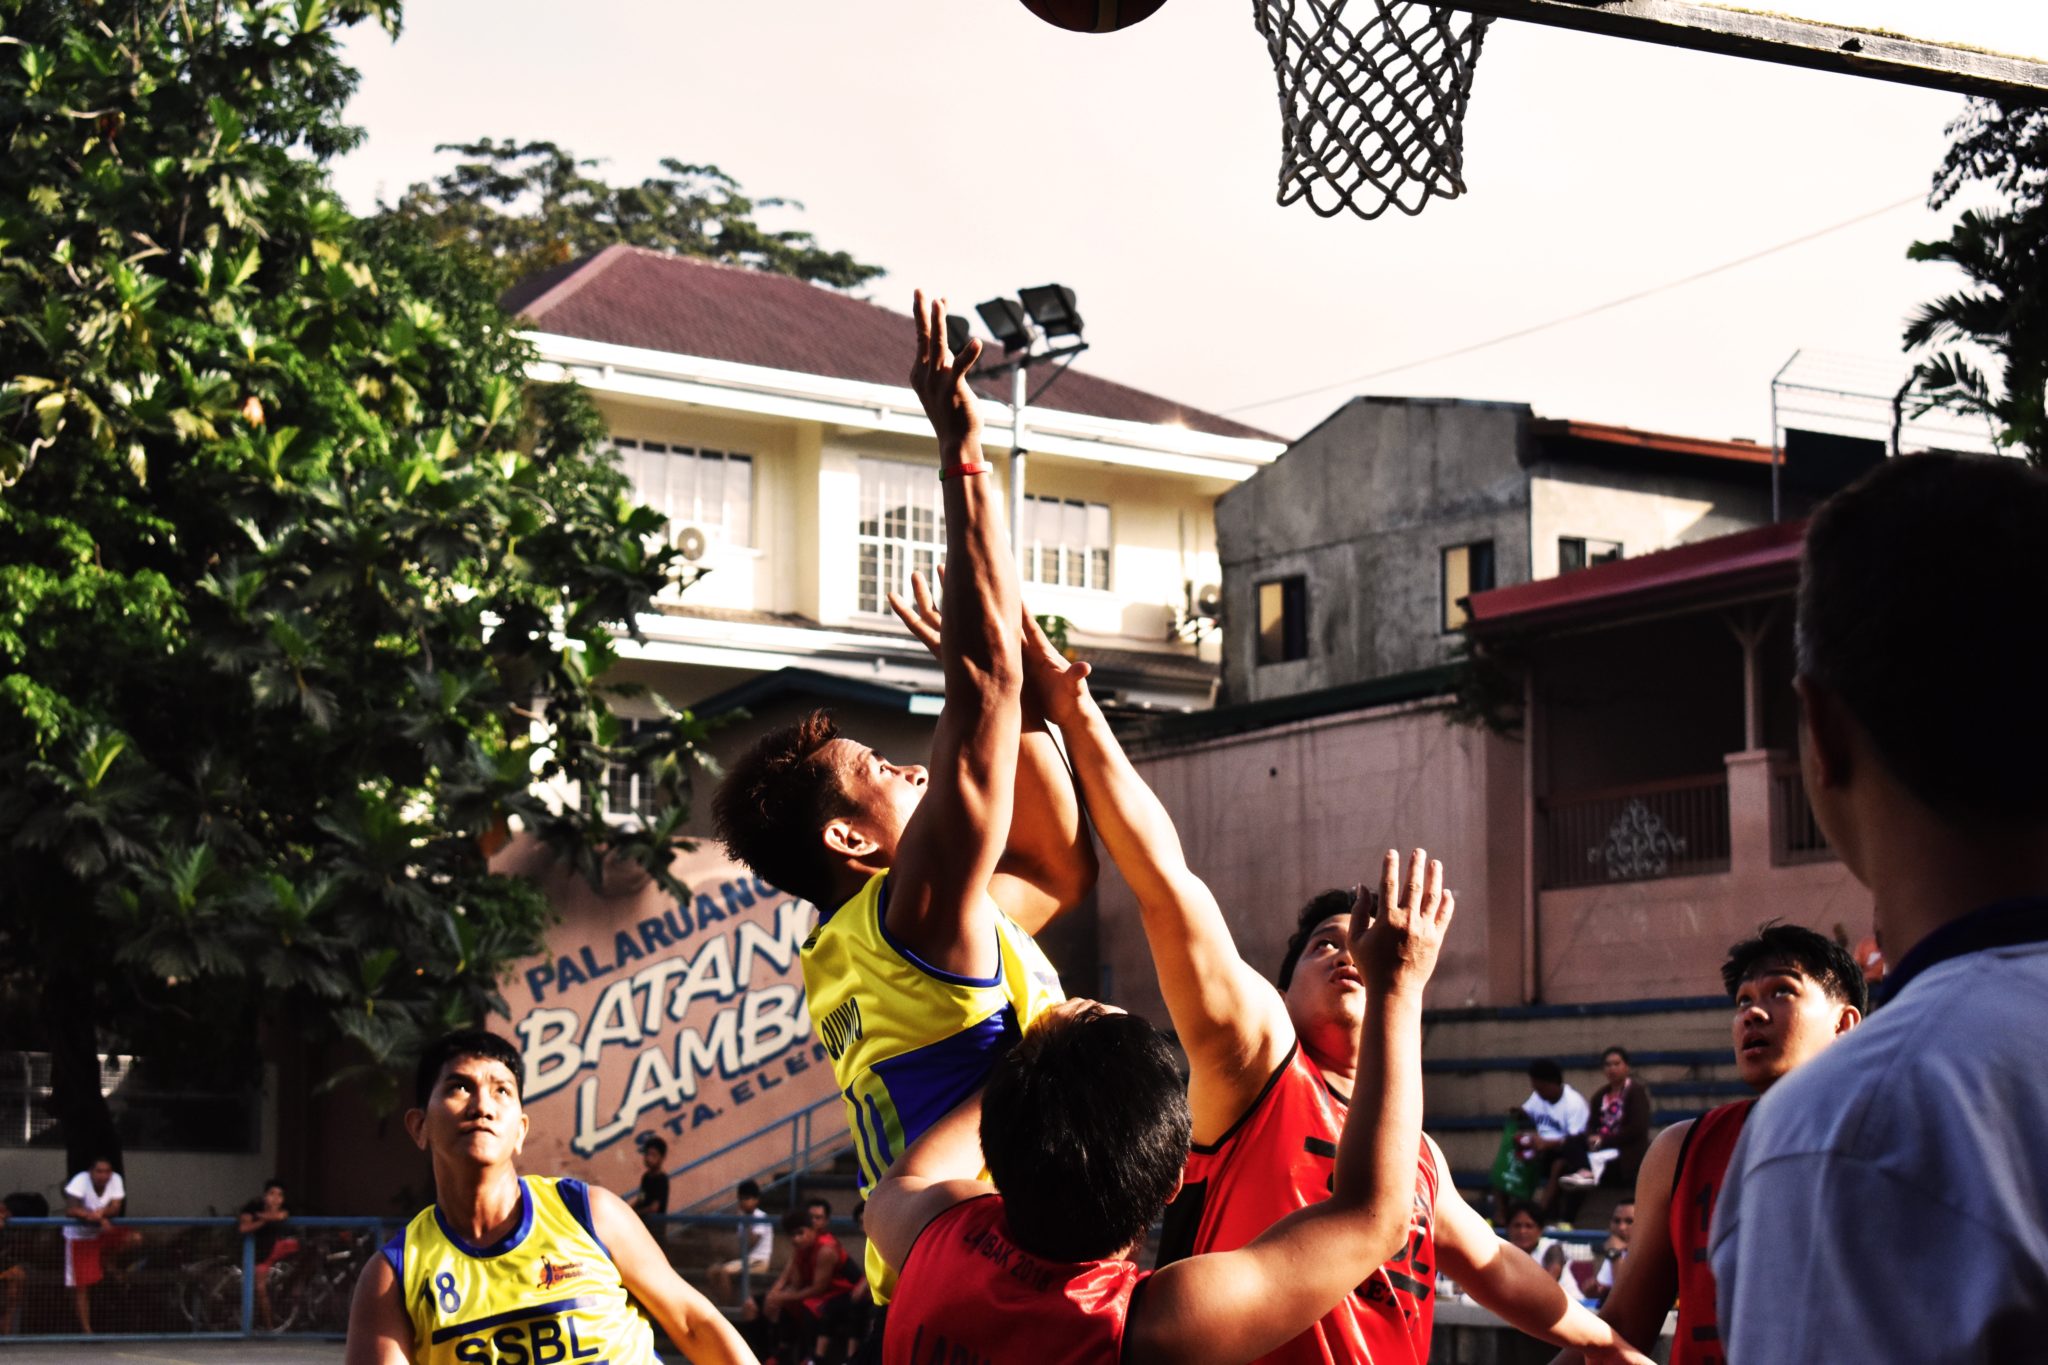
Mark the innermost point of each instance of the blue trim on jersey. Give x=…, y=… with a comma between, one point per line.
x=394, y=1252
x=881, y=1134
x=950, y=978
x=538, y=1310
x=927, y=1083
x=576, y=1198
x=504, y=1244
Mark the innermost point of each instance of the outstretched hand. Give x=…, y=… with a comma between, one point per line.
x=1397, y=950
x=1054, y=685
x=940, y=379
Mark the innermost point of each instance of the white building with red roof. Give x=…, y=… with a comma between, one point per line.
x=771, y=420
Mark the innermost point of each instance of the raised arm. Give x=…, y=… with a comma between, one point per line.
x=938, y=902
x=1510, y=1284
x=1238, y=1305
x=1231, y=1021
x=1049, y=864
x=697, y=1328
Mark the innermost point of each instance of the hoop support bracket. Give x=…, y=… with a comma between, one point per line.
x=1788, y=41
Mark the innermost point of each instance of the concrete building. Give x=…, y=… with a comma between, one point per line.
x=1348, y=558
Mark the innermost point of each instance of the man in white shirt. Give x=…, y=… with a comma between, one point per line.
x=1885, y=1201
x=92, y=1200
x=756, y=1246
x=1558, y=1111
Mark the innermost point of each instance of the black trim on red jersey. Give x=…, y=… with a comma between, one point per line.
x=1182, y=1221
x=1265, y=1091
x=992, y=1194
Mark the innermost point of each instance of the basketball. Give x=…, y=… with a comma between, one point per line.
x=1093, y=16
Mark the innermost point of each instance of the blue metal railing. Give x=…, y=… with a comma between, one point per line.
x=806, y=1153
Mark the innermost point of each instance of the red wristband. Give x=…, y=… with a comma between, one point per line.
x=966, y=467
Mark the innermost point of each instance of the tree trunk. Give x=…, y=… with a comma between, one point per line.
x=75, y=1102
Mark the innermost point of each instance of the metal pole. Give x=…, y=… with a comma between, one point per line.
x=1019, y=380
x=1777, y=446
x=248, y=1284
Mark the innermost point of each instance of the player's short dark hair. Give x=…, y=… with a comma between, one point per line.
x=1816, y=957
x=453, y=1047
x=774, y=802
x=795, y=1220
x=655, y=1144
x=1546, y=1069
x=1921, y=602
x=1617, y=1051
x=1320, y=907
x=1084, y=1125
x=272, y=1184
x=749, y=1189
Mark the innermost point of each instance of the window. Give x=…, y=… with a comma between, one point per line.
x=151, y=1113
x=1283, y=620
x=1466, y=569
x=902, y=529
x=1576, y=552
x=629, y=791
x=1066, y=542
x=709, y=489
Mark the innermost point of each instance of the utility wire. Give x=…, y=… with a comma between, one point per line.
x=1636, y=297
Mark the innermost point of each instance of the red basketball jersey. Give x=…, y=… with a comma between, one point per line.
x=1702, y=1165
x=968, y=1295
x=1279, y=1157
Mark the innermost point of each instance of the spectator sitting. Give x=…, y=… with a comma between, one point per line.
x=756, y=1246
x=650, y=1201
x=1525, y=1234
x=262, y=1218
x=1558, y=1111
x=814, y=1282
x=1619, y=1123
x=93, y=1199
x=1595, y=1286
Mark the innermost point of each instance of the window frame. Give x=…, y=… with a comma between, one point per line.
x=1446, y=604
x=1293, y=620
x=896, y=555
x=633, y=450
x=1096, y=563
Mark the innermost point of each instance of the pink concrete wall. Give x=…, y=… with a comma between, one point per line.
x=1640, y=940
x=1269, y=819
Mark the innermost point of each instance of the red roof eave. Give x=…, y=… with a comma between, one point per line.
x=1728, y=566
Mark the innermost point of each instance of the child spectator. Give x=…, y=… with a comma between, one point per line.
x=262, y=1218
x=756, y=1245
x=650, y=1201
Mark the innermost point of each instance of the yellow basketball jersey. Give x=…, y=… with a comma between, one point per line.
x=909, y=1042
x=547, y=1294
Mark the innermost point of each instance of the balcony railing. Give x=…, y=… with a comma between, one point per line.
x=1795, y=834
x=1673, y=828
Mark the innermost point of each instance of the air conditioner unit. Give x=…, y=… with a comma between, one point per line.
x=694, y=543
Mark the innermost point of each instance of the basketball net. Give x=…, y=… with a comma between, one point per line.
x=1372, y=101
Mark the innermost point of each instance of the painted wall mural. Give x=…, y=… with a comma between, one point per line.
x=650, y=1015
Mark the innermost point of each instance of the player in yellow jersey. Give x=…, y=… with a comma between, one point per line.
x=922, y=973
x=505, y=1269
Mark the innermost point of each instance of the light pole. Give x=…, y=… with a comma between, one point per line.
x=1037, y=315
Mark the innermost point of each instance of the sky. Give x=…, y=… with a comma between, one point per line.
x=971, y=149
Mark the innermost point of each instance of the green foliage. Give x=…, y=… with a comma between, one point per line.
x=2003, y=249
x=519, y=208
x=305, y=593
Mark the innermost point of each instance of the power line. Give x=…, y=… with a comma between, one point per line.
x=1636, y=297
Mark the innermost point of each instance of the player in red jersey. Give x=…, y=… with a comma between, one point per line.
x=1272, y=1079
x=1084, y=1127
x=1795, y=992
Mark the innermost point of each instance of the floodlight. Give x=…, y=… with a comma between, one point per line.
x=1005, y=321
x=1052, y=307
x=959, y=331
